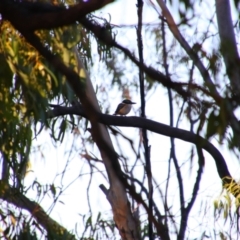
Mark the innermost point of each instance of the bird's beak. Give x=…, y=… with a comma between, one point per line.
x=133, y=103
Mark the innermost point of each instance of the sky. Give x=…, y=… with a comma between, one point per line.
x=48, y=161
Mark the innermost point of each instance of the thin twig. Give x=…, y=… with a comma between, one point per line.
x=143, y=115
x=171, y=113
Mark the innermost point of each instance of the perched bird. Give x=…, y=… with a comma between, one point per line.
x=124, y=107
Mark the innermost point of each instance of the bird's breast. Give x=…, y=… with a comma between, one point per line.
x=125, y=110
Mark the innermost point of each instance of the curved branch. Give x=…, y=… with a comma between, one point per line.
x=27, y=16
x=102, y=34
x=155, y=127
x=33, y=16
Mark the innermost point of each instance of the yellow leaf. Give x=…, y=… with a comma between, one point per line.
x=82, y=73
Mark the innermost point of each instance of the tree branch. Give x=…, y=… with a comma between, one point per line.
x=126, y=227
x=171, y=115
x=32, y=16
x=155, y=127
x=103, y=35
x=143, y=115
x=183, y=225
x=15, y=197
x=205, y=75
x=228, y=43
x=175, y=31
x=27, y=16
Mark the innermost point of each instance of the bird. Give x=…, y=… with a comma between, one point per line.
x=124, y=107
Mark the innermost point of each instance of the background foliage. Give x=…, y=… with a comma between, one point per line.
x=33, y=93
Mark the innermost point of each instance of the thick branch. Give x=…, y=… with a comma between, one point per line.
x=13, y=196
x=153, y=126
x=126, y=226
x=92, y=113
x=33, y=16
x=228, y=43
x=117, y=193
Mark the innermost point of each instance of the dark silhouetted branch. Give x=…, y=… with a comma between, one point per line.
x=32, y=16
x=155, y=127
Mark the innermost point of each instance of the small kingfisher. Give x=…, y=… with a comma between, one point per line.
x=124, y=107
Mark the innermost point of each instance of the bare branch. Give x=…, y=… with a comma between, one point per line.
x=156, y=127
x=187, y=209
x=32, y=16
x=143, y=103
x=102, y=34
x=175, y=31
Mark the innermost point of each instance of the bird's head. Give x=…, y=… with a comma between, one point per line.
x=127, y=101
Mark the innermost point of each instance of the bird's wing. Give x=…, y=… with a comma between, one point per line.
x=120, y=106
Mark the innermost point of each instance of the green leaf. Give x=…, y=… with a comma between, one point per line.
x=53, y=190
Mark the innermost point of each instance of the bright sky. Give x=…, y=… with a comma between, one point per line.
x=74, y=199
